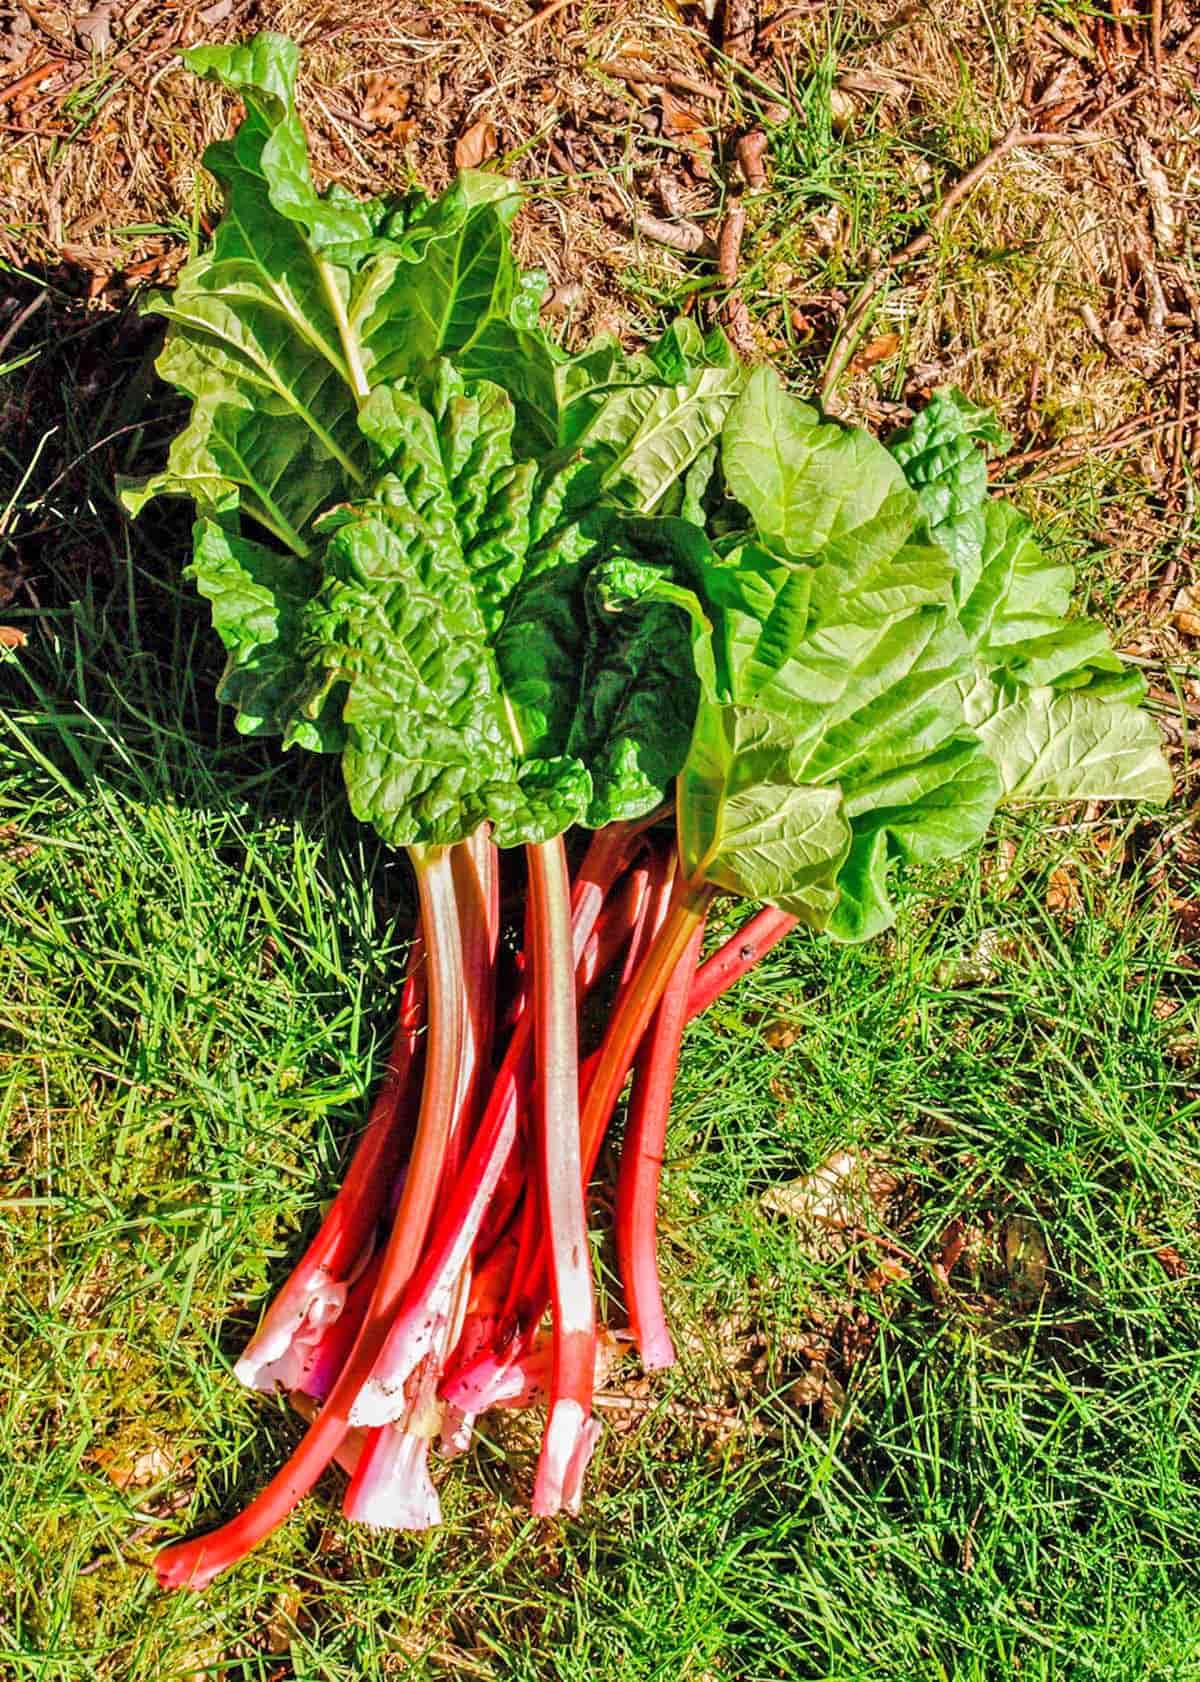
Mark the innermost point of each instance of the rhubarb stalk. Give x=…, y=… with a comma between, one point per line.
x=569, y=1436
x=314, y=1294
x=641, y=1164
x=194, y=1563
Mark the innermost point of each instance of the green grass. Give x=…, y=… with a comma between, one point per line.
x=200, y=954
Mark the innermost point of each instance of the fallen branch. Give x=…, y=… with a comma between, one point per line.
x=733, y=313
x=30, y=80
x=1071, y=451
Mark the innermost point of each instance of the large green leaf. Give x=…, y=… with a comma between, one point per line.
x=830, y=720
x=1074, y=745
x=812, y=487
x=1052, y=704
x=315, y=337
x=416, y=577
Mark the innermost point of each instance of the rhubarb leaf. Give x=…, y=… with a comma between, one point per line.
x=941, y=458
x=259, y=599
x=812, y=487
x=637, y=702
x=415, y=582
x=1073, y=745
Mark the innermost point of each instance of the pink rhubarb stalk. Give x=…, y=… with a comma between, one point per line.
x=641, y=1164
x=315, y=1293
x=569, y=1436
x=427, y=1302
x=194, y=1563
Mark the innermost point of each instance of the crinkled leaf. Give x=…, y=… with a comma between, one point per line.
x=258, y=599
x=933, y=809
x=941, y=458
x=813, y=688
x=637, y=703
x=812, y=487
x=1073, y=745
x=403, y=621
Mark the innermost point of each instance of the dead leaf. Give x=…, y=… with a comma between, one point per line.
x=819, y=1388
x=386, y=101
x=566, y=299
x=1062, y=892
x=979, y=966
x=889, y=1272
x=476, y=146
x=135, y=1470
x=94, y=29
x=877, y=350
x=781, y=1032
x=838, y=1194
x=681, y=124
x=11, y=637
x=843, y=108
x=1173, y=1264
x=1025, y=1255
x=1186, y=614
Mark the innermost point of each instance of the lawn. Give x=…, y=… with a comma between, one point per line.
x=935, y=1422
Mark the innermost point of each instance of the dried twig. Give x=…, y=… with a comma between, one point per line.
x=544, y=16
x=15, y=326
x=1156, y=52
x=30, y=79
x=672, y=79
x=733, y=313
x=1071, y=451
x=729, y=245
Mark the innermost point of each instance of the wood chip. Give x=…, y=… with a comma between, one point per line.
x=876, y=350
x=1158, y=191
x=751, y=153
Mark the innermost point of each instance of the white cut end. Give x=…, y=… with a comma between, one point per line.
x=417, y=1333
x=294, y=1324
x=580, y=1460
x=392, y=1489
x=564, y=1430
x=457, y=1427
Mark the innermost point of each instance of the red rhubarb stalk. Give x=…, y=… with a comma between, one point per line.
x=641, y=1164
x=195, y=1563
x=569, y=1436
x=432, y=1288
x=740, y=953
x=315, y=1293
